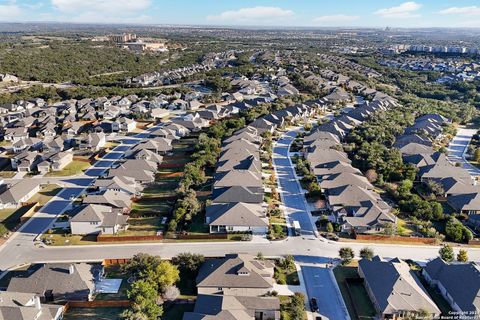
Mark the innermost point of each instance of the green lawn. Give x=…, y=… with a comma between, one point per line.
x=145, y=226
x=93, y=313
x=73, y=168
x=114, y=272
x=45, y=194
x=366, y=310
x=10, y=218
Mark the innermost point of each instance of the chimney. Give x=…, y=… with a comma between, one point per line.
x=38, y=305
x=71, y=269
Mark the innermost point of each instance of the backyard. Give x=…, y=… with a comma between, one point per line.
x=93, y=313
x=354, y=293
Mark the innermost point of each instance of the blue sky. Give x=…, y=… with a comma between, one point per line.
x=321, y=13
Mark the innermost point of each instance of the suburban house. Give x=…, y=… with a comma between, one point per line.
x=20, y=192
x=394, y=289
x=236, y=217
x=93, y=141
x=27, y=306
x=119, y=184
x=236, y=275
x=234, y=307
x=459, y=284
x=94, y=219
x=115, y=199
x=58, y=282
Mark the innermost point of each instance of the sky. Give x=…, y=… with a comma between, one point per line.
x=280, y=13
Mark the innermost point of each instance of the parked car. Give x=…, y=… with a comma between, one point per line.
x=314, y=304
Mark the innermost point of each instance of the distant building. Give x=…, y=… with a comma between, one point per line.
x=122, y=38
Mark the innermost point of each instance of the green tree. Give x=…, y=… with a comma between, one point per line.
x=476, y=155
x=346, y=254
x=329, y=227
x=462, y=255
x=454, y=230
x=188, y=262
x=297, y=306
x=389, y=229
x=366, y=253
x=144, y=301
x=446, y=253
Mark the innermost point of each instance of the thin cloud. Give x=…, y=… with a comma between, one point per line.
x=404, y=10
x=335, y=19
x=260, y=15
x=467, y=11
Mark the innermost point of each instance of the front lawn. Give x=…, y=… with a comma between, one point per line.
x=73, y=168
x=46, y=193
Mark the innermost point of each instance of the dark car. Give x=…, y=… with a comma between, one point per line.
x=314, y=304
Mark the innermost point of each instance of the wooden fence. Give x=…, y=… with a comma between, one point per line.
x=98, y=304
x=110, y=262
x=377, y=237
x=107, y=238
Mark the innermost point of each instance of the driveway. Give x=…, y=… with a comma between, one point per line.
x=296, y=208
x=458, y=147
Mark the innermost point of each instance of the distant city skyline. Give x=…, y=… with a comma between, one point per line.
x=287, y=13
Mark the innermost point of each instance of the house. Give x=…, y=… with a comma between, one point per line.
x=119, y=184
x=58, y=282
x=394, y=289
x=219, y=307
x=236, y=275
x=232, y=178
x=159, y=113
x=236, y=217
x=458, y=283
x=119, y=200
x=61, y=160
x=94, y=219
x=94, y=141
x=20, y=192
x=126, y=124
x=27, y=306
x=237, y=194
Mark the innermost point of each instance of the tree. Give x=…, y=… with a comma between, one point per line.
x=366, y=253
x=446, y=253
x=437, y=210
x=289, y=263
x=164, y=275
x=297, y=306
x=454, y=230
x=346, y=254
x=435, y=188
x=171, y=293
x=404, y=188
x=476, y=155
x=329, y=227
x=139, y=264
x=389, y=229
x=462, y=255
x=371, y=175
x=144, y=300
x=189, y=262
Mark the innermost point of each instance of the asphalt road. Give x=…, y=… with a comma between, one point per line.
x=289, y=188
x=457, y=149
x=321, y=285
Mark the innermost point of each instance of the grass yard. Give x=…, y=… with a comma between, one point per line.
x=93, y=313
x=61, y=238
x=5, y=213
x=365, y=307
x=10, y=218
x=45, y=194
x=7, y=174
x=73, y=168
x=145, y=226
x=114, y=272
x=151, y=208
x=403, y=228
x=175, y=311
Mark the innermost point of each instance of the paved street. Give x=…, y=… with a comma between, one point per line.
x=320, y=284
x=291, y=194
x=458, y=147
